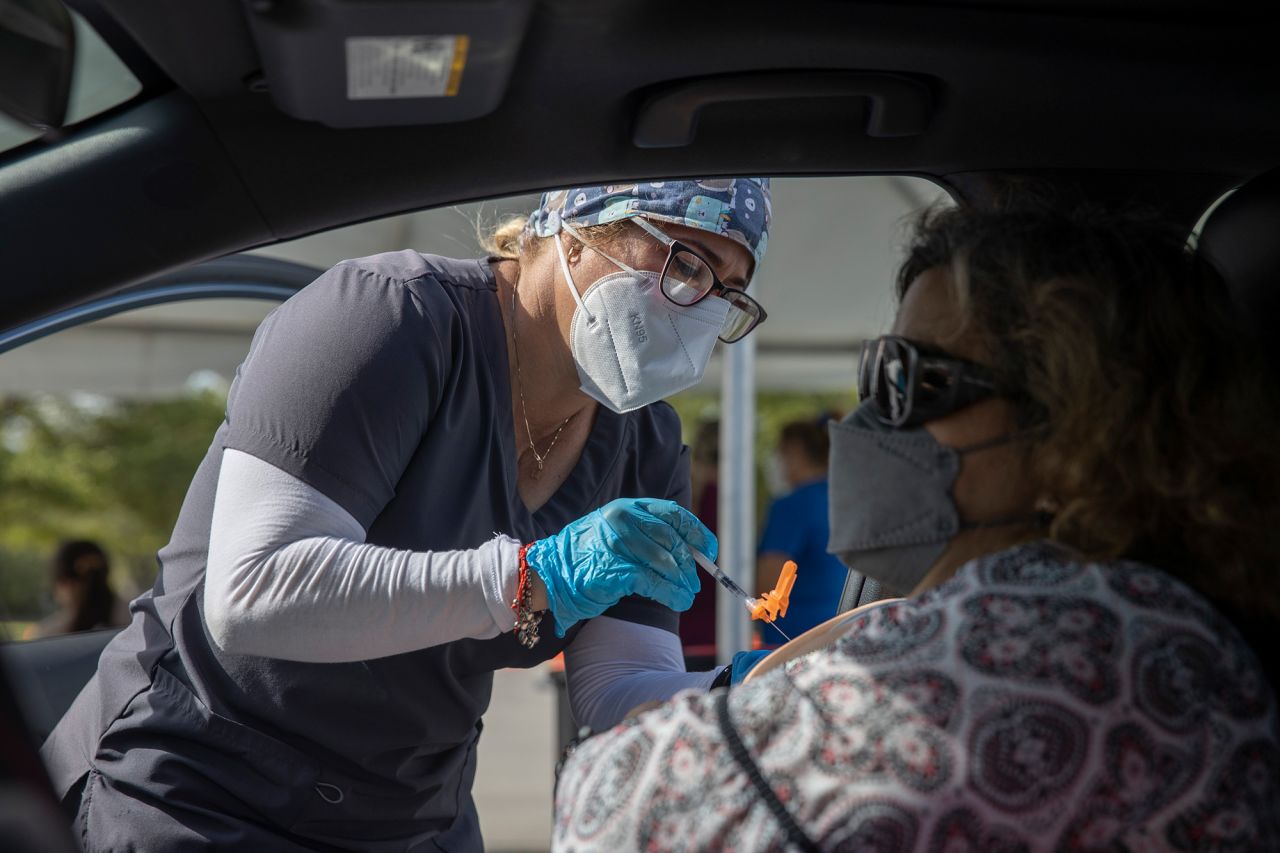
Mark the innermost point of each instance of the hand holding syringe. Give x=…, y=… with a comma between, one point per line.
x=769, y=606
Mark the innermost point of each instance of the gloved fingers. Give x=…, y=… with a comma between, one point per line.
x=620, y=549
x=657, y=587
x=646, y=568
x=679, y=600
x=647, y=539
x=688, y=569
x=644, y=540
x=627, y=517
x=675, y=566
x=648, y=558
x=638, y=524
x=684, y=523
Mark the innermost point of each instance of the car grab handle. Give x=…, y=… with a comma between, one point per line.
x=900, y=106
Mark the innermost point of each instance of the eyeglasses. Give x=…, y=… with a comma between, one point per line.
x=911, y=385
x=687, y=279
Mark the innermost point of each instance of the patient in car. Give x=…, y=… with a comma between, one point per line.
x=1057, y=463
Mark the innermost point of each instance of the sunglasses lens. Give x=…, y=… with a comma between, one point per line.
x=892, y=393
x=866, y=368
x=910, y=387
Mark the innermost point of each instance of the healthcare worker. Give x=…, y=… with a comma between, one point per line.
x=420, y=457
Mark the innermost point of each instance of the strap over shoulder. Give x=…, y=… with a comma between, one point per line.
x=796, y=836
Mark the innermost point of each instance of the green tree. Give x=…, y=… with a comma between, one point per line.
x=115, y=472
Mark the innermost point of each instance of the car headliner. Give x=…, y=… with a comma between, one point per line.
x=1171, y=103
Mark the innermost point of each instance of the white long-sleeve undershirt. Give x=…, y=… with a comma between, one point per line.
x=290, y=576
x=613, y=666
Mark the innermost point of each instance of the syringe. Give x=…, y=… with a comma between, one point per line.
x=752, y=603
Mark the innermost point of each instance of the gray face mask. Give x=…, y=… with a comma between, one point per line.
x=891, y=508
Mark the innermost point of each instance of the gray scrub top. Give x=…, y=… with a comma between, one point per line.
x=384, y=385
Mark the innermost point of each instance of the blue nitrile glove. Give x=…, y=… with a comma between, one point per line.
x=743, y=662
x=631, y=546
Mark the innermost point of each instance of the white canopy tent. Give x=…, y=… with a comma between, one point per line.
x=826, y=283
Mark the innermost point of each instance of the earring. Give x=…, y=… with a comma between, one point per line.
x=575, y=251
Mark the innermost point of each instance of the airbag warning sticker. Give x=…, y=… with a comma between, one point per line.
x=405, y=66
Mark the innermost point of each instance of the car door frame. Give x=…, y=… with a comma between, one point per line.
x=38, y=669
x=234, y=277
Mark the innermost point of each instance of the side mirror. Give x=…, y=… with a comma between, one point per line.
x=37, y=54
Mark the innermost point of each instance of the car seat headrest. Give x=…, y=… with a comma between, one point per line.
x=1242, y=239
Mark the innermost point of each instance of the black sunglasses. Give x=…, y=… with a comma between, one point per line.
x=911, y=384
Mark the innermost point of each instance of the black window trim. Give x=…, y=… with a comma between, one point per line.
x=235, y=277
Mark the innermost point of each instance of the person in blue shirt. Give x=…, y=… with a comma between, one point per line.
x=797, y=529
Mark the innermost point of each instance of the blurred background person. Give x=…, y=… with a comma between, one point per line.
x=81, y=589
x=698, y=623
x=797, y=529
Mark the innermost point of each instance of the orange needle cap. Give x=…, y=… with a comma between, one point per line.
x=774, y=603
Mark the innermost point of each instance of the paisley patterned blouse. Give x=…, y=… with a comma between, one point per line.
x=1031, y=702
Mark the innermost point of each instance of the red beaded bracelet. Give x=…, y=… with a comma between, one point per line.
x=526, y=626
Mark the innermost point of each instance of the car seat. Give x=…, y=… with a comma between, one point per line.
x=1241, y=237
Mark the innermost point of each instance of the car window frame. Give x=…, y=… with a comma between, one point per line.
x=109, y=306
x=232, y=277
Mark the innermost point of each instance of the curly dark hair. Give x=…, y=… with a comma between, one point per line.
x=1147, y=409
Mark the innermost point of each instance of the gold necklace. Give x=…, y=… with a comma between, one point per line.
x=539, y=458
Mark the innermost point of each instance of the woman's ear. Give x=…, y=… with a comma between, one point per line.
x=573, y=248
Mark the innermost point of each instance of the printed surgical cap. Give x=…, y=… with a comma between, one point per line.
x=738, y=208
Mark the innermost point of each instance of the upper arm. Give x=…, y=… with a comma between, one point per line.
x=258, y=509
x=604, y=660
x=339, y=385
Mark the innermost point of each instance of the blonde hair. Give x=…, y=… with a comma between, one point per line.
x=509, y=239
x=504, y=239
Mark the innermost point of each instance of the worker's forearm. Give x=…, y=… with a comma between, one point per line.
x=612, y=666
x=538, y=601
x=289, y=576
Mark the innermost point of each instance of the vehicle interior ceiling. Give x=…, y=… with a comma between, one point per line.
x=1167, y=103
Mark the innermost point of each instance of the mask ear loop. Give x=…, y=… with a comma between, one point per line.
x=573, y=232
x=568, y=276
x=564, y=264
